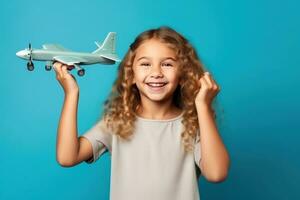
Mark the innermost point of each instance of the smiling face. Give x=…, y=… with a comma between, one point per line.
x=156, y=71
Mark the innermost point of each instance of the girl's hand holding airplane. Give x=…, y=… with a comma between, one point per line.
x=66, y=80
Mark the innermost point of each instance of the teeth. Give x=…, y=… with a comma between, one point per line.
x=156, y=84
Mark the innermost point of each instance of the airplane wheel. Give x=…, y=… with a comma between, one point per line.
x=80, y=72
x=30, y=66
x=48, y=67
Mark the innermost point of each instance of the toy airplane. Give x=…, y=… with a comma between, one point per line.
x=104, y=54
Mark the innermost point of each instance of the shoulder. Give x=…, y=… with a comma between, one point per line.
x=106, y=125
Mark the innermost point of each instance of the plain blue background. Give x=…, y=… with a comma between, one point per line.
x=251, y=48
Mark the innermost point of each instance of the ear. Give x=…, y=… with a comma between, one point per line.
x=133, y=81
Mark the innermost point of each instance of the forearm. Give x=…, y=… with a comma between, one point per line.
x=215, y=158
x=67, y=139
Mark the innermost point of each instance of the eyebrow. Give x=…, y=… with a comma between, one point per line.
x=163, y=58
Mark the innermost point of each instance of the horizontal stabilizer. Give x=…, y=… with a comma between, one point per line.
x=111, y=57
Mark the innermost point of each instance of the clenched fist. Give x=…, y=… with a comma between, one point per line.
x=66, y=80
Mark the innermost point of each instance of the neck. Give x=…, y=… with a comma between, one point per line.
x=157, y=109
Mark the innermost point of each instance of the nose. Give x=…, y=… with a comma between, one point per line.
x=156, y=71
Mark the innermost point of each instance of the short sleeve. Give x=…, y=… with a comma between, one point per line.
x=100, y=140
x=197, y=151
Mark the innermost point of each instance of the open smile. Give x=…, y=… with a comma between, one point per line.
x=156, y=86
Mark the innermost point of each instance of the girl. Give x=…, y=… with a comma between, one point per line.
x=159, y=110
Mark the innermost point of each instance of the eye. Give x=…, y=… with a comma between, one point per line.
x=167, y=64
x=145, y=64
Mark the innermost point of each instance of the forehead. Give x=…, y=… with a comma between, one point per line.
x=155, y=49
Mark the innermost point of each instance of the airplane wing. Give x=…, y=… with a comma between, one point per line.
x=69, y=60
x=55, y=47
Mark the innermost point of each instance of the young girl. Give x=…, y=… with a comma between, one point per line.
x=159, y=110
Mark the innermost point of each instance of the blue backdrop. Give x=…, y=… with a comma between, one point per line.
x=251, y=48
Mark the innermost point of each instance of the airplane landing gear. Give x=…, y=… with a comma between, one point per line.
x=30, y=66
x=48, y=67
x=80, y=72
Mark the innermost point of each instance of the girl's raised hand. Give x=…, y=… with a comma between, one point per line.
x=66, y=80
x=208, y=90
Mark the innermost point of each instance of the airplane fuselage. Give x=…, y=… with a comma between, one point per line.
x=49, y=55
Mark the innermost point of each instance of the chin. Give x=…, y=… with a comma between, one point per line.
x=157, y=97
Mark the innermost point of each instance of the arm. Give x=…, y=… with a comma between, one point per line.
x=69, y=149
x=215, y=159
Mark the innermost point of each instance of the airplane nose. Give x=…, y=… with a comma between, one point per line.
x=19, y=53
x=22, y=54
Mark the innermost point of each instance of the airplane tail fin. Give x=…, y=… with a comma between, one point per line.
x=108, y=48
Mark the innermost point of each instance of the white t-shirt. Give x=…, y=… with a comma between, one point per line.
x=152, y=165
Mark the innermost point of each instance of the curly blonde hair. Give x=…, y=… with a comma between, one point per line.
x=124, y=99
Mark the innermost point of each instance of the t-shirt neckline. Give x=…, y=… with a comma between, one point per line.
x=159, y=120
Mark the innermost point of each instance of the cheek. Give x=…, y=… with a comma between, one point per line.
x=139, y=75
x=172, y=76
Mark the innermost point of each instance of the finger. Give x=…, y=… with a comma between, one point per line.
x=203, y=83
x=54, y=65
x=208, y=79
x=215, y=86
x=64, y=70
x=205, y=80
x=200, y=79
x=58, y=66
